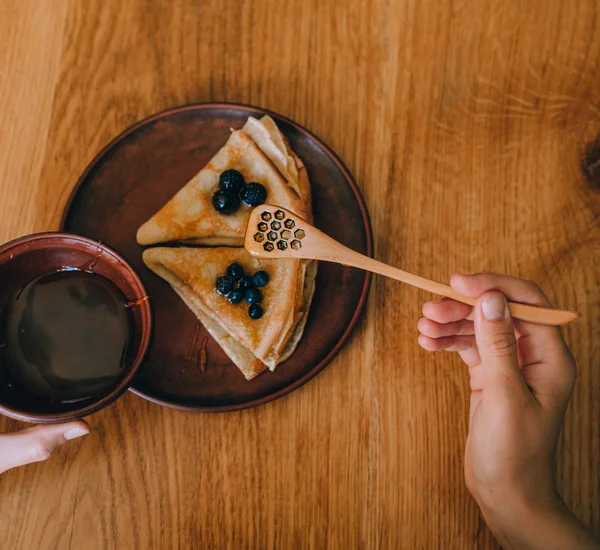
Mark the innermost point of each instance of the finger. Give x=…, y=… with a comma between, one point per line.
x=446, y=311
x=497, y=345
x=538, y=344
x=471, y=357
x=38, y=443
x=465, y=346
x=516, y=290
x=476, y=377
x=436, y=330
x=446, y=343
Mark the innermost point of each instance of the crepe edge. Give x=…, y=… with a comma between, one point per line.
x=298, y=330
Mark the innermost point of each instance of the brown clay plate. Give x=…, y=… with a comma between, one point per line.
x=134, y=175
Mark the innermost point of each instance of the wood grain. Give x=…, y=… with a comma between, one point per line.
x=464, y=124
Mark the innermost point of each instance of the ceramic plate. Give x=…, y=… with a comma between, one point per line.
x=146, y=165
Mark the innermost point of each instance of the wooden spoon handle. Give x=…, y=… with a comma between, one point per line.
x=310, y=243
x=524, y=312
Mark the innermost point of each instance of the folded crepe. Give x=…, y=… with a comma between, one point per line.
x=252, y=345
x=257, y=150
x=261, y=153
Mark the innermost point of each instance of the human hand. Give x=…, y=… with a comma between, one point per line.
x=521, y=378
x=37, y=443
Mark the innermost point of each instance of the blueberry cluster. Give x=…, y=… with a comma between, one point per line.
x=238, y=286
x=233, y=190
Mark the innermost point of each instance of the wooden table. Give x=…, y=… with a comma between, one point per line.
x=464, y=124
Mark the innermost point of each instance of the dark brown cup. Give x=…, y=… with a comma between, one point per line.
x=33, y=256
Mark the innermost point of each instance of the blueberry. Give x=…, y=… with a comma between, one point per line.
x=231, y=180
x=255, y=311
x=235, y=271
x=225, y=202
x=246, y=282
x=253, y=194
x=224, y=285
x=253, y=295
x=236, y=296
x=260, y=278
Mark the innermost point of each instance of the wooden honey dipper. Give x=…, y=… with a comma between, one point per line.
x=274, y=232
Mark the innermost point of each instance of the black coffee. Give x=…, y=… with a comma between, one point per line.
x=65, y=336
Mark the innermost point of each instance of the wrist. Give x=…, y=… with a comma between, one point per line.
x=513, y=522
x=538, y=525
x=505, y=503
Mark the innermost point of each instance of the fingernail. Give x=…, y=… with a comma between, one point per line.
x=494, y=306
x=74, y=433
x=457, y=279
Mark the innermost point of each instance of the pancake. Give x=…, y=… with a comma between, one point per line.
x=190, y=217
x=193, y=272
x=262, y=154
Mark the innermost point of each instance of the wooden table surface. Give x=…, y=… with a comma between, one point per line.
x=464, y=123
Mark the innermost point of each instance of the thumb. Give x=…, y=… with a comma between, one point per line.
x=38, y=443
x=496, y=341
